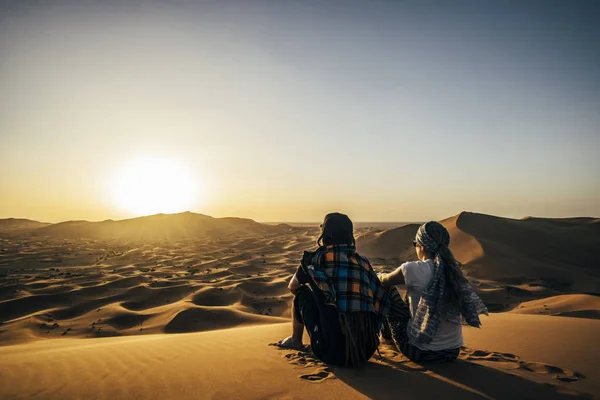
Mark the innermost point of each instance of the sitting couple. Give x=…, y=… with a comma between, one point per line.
x=345, y=305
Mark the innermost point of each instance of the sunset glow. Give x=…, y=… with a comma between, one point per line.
x=154, y=185
x=284, y=111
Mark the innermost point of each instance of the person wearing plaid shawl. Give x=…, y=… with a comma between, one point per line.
x=428, y=327
x=338, y=298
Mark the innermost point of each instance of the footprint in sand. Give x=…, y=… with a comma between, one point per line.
x=320, y=371
x=512, y=361
x=318, y=376
x=387, y=354
x=303, y=359
x=562, y=374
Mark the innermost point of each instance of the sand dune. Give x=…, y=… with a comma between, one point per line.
x=72, y=278
x=19, y=224
x=85, y=279
x=237, y=363
x=391, y=243
x=160, y=226
x=509, y=261
x=173, y=274
x=557, y=253
x=565, y=221
x=572, y=305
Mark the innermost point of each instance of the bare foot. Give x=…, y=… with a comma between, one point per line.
x=289, y=343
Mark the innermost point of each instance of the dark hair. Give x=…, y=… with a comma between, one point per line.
x=452, y=271
x=336, y=228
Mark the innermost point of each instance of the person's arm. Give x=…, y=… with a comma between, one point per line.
x=393, y=278
x=299, y=279
x=294, y=284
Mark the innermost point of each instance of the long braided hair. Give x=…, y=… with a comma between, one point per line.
x=435, y=239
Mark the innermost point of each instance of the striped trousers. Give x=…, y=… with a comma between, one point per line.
x=394, y=328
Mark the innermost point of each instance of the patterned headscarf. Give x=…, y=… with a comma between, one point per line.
x=433, y=243
x=432, y=308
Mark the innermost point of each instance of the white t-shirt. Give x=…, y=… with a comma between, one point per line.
x=417, y=275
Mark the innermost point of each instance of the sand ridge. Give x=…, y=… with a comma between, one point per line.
x=238, y=363
x=174, y=273
x=127, y=287
x=572, y=305
x=104, y=287
x=507, y=261
x=521, y=366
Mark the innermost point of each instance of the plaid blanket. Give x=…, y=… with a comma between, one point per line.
x=347, y=279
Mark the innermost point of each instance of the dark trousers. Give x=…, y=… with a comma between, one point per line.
x=394, y=327
x=322, y=323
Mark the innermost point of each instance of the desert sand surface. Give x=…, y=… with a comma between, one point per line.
x=185, y=305
x=574, y=305
x=237, y=363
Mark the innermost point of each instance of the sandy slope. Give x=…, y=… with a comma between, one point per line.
x=548, y=252
x=131, y=284
x=237, y=363
x=572, y=305
x=159, y=226
x=163, y=273
x=554, y=348
x=221, y=365
x=390, y=243
x=94, y=287
x=509, y=261
x=18, y=224
x=556, y=253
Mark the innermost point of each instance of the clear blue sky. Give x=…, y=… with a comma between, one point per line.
x=283, y=111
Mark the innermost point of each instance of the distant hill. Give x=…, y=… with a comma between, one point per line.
x=555, y=253
x=16, y=224
x=566, y=221
x=159, y=226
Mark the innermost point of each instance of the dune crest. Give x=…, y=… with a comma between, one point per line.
x=571, y=305
x=167, y=287
x=165, y=278
x=537, y=251
x=158, y=274
x=390, y=243
x=509, y=261
x=466, y=248
x=19, y=224
x=159, y=226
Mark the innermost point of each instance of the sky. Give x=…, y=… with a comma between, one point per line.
x=286, y=110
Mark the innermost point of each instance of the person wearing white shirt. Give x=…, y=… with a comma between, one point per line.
x=428, y=327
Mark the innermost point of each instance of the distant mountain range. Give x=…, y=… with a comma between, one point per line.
x=159, y=226
x=16, y=224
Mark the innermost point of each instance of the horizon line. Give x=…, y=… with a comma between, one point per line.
x=297, y=222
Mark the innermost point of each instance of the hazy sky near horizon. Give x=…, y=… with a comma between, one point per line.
x=286, y=110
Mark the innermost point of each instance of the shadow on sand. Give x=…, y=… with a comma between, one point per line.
x=390, y=378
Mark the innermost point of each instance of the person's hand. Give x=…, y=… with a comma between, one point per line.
x=294, y=284
x=382, y=278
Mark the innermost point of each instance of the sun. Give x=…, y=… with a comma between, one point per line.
x=154, y=185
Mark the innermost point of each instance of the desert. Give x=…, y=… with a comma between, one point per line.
x=323, y=199
x=158, y=305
